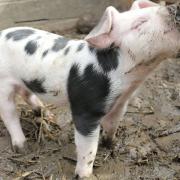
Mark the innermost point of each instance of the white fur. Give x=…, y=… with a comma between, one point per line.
x=86, y=147
x=9, y=114
x=143, y=36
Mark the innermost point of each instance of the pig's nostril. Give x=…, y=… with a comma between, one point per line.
x=172, y=10
x=178, y=14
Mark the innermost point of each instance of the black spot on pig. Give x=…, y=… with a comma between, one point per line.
x=59, y=43
x=92, y=49
x=108, y=58
x=89, y=163
x=66, y=51
x=80, y=47
x=35, y=85
x=19, y=34
x=45, y=53
x=31, y=47
x=38, y=37
x=87, y=95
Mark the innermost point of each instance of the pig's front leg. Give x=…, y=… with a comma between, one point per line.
x=86, y=139
x=110, y=123
x=86, y=147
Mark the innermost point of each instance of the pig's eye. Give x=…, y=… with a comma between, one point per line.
x=138, y=23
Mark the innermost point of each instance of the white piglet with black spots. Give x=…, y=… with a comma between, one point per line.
x=96, y=76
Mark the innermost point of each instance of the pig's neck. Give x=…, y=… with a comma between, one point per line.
x=138, y=71
x=135, y=59
x=129, y=61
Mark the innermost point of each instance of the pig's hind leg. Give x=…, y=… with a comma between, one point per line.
x=30, y=98
x=33, y=101
x=9, y=115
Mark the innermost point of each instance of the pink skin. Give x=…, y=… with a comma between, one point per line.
x=150, y=26
x=114, y=27
x=145, y=36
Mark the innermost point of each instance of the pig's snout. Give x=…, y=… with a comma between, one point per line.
x=174, y=11
x=178, y=13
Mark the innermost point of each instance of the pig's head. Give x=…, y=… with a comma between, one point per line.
x=146, y=31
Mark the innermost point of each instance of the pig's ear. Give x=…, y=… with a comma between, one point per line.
x=139, y=4
x=100, y=36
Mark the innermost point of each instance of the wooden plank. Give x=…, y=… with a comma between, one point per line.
x=52, y=25
x=39, y=12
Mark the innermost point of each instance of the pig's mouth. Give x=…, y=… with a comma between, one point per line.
x=174, y=11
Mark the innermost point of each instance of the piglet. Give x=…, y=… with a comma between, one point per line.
x=96, y=76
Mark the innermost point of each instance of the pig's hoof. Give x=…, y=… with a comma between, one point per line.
x=37, y=112
x=76, y=177
x=83, y=173
x=107, y=142
x=21, y=150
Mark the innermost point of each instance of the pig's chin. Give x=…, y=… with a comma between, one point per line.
x=169, y=30
x=173, y=33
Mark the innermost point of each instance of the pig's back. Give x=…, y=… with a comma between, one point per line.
x=25, y=50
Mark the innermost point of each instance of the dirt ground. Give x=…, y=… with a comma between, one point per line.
x=147, y=147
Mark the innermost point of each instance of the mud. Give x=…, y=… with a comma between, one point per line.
x=147, y=144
